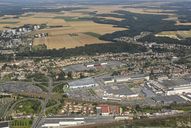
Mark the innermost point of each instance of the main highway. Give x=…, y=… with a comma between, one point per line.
x=36, y=122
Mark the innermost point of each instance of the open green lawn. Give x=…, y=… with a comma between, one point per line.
x=39, y=78
x=28, y=107
x=60, y=88
x=8, y=22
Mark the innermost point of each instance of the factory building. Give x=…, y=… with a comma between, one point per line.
x=58, y=122
x=171, y=86
x=119, y=91
x=167, y=100
x=4, y=124
x=178, y=86
x=123, y=79
x=108, y=80
x=81, y=83
x=95, y=64
x=105, y=64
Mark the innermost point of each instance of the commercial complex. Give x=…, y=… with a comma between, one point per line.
x=81, y=83
x=170, y=86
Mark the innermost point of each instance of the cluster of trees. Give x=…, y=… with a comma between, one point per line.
x=18, y=9
x=162, y=40
x=85, y=50
x=137, y=23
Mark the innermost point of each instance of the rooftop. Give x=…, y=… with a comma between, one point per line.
x=84, y=81
x=119, y=89
x=169, y=99
x=75, y=68
x=4, y=124
x=174, y=83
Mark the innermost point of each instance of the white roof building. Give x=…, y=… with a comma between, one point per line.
x=86, y=82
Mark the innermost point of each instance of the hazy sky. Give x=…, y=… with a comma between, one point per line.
x=83, y=1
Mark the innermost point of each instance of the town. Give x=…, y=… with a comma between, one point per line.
x=96, y=88
x=95, y=64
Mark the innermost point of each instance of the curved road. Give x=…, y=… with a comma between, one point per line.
x=36, y=122
x=12, y=106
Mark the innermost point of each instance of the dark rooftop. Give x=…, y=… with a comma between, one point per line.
x=174, y=83
x=169, y=99
x=4, y=124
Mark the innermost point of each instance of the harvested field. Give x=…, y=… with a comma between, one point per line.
x=68, y=40
x=179, y=23
x=81, y=27
x=87, y=31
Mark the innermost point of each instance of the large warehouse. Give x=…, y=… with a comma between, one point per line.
x=119, y=91
x=172, y=86
x=176, y=86
x=81, y=83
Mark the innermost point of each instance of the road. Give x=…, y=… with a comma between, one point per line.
x=36, y=122
x=12, y=106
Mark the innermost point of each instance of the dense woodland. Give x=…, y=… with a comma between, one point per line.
x=137, y=23
x=163, y=40
x=86, y=50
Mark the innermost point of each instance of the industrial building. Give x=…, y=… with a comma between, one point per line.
x=176, y=86
x=95, y=64
x=62, y=122
x=105, y=64
x=138, y=77
x=170, y=86
x=75, y=68
x=123, y=79
x=120, y=79
x=55, y=122
x=108, y=80
x=119, y=91
x=4, y=124
x=167, y=100
x=81, y=83
x=92, y=66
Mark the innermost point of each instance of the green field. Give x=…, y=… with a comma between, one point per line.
x=21, y=123
x=8, y=22
x=28, y=107
x=71, y=19
x=93, y=34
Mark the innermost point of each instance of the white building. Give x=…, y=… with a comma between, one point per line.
x=108, y=80
x=86, y=82
x=122, y=79
x=4, y=124
x=119, y=91
x=173, y=86
x=59, y=122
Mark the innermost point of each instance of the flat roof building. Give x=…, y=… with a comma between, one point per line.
x=167, y=100
x=171, y=86
x=81, y=83
x=76, y=68
x=56, y=122
x=119, y=91
x=4, y=124
x=176, y=86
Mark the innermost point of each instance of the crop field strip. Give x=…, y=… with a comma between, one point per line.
x=75, y=22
